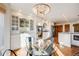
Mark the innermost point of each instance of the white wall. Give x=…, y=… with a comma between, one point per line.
x=7, y=27
x=1, y=30
x=7, y=15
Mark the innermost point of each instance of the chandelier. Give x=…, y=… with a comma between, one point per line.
x=41, y=9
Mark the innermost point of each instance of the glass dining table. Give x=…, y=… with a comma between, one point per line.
x=39, y=52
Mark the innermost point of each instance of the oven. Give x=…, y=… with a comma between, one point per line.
x=75, y=39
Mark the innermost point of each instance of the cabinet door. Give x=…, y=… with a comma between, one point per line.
x=24, y=25
x=14, y=24
x=15, y=41
x=67, y=27
x=76, y=27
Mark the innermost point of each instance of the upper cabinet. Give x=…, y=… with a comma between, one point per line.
x=67, y=27
x=76, y=27
x=24, y=25
x=21, y=25
x=15, y=24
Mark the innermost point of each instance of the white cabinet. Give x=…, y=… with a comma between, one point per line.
x=19, y=26
x=65, y=39
x=15, y=36
x=15, y=41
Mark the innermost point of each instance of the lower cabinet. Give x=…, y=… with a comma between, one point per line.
x=15, y=41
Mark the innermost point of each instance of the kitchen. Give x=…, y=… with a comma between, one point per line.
x=67, y=39
x=26, y=29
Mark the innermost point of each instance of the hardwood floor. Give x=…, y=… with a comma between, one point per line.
x=66, y=51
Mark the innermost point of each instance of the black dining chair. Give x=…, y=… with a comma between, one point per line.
x=10, y=51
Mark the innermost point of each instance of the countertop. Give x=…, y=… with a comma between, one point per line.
x=69, y=32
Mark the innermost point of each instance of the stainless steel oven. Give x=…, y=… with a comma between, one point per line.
x=76, y=37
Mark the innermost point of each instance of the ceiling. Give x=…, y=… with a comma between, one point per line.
x=60, y=12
